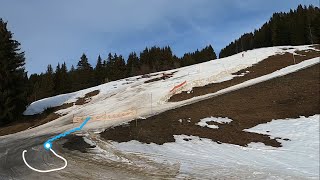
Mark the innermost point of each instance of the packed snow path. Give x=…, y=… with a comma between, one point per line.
x=48, y=146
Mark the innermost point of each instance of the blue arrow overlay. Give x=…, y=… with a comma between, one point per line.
x=48, y=144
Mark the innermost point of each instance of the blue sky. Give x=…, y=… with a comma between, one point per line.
x=61, y=30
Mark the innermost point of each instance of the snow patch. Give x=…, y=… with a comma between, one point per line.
x=220, y=120
x=297, y=159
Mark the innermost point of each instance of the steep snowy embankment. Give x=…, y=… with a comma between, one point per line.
x=150, y=98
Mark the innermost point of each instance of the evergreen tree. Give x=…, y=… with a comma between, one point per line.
x=133, y=65
x=57, y=80
x=297, y=27
x=13, y=79
x=48, y=82
x=206, y=54
x=65, y=81
x=73, y=79
x=99, y=72
x=120, y=68
x=84, y=73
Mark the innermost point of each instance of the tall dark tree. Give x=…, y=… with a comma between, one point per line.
x=65, y=85
x=133, y=64
x=99, y=72
x=84, y=73
x=48, y=82
x=120, y=67
x=12, y=77
x=58, y=80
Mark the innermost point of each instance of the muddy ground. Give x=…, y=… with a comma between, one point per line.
x=267, y=66
x=289, y=96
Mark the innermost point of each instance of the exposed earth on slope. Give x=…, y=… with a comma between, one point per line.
x=269, y=65
x=31, y=121
x=289, y=96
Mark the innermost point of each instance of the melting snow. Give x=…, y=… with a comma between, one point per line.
x=220, y=120
x=297, y=159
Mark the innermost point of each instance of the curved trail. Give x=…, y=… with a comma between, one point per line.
x=48, y=146
x=50, y=170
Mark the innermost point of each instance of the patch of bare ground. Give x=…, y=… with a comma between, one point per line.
x=267, y=66
x=86, y=98
x=147, y=76
x=48, y=115
x=77, y=143
x=163, y=77
x=289, y=96
x=316, y=46
x=31, y=121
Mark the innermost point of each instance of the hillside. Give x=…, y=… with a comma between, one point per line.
x=297, y=27
x=253, y=114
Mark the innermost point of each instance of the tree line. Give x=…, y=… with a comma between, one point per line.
x=17, y=90
x=297, y=27
x=61, y=80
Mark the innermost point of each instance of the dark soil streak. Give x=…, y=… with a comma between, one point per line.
x=267, y=66
x=289, y=96
x=77, y=143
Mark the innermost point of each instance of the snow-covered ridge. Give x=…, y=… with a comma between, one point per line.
x=133, y=93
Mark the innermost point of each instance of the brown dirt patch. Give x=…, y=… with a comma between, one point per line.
x=163, y=77
x=86, y=97
x=267, y=66
x=27, y=122
x=147, y=76
x=289, y=96
x=316, y=46
x=77, y=143
x=48, y=115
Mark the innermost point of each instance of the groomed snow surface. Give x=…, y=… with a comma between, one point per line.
x=203, y=158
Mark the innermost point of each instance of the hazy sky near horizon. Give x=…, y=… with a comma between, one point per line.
x=61, y=30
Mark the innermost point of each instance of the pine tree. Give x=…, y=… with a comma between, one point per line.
x=133, y=65
x=48, y=82
x=65, y=85
x=13, y=79
x=73, y=78
x=84, y=64
x=99, y=72
x=120, y=68
x=57, y=80
x=84, y=73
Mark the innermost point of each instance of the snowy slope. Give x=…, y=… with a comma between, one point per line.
x=222, y=68
x=193, y=159
x=297, y=159
x=150, y=98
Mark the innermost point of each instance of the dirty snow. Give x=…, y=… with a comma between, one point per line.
x=297, y=159
x=150, y=98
